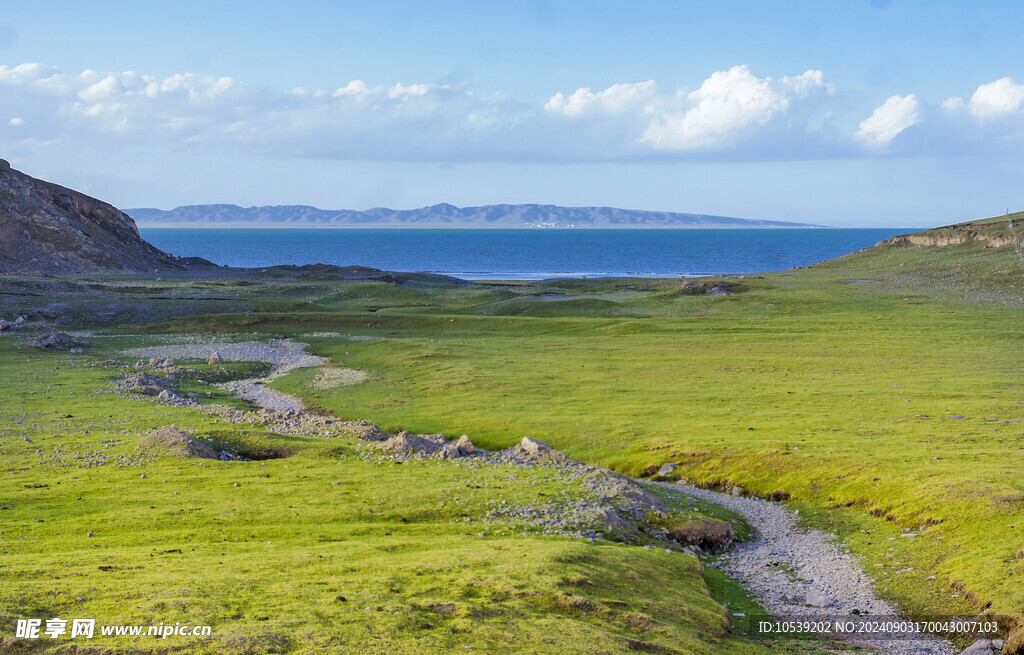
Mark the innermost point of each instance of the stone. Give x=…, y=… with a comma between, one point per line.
x=366, y=431
x=155, y=361
x=818, y=599
x=165, y=394
x=465, y=446
x=143, y=476
x=59, y=341
x=237, y=484
x=449, y=451
x=88, y=534
x=5, y=325
x=18, y=322
x=215, y=358
x=535, y=447
x=610, y=520
x=736, y=491
x=667, y=469
x=979, y=647
x=192, y=395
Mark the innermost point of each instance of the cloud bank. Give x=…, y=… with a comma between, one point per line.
x=733, y=114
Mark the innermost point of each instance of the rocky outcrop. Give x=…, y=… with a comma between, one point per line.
x=990, y=234
x=47, y=229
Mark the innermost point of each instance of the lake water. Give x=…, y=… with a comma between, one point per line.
x=523, y=254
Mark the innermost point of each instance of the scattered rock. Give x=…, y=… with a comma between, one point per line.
x=5, y=325
x=88, y=534
x=427, y=444
x=535, y=447
x=366, y=431
x=172, y=440
x=58, y=341
x=666, y=469
x=736, y=491
x=237, y=484
x=215, y=358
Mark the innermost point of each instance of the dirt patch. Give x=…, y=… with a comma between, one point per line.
x=707, y=534
x=260, y=454
x=172, y=440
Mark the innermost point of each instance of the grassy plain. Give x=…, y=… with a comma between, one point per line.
x=882, y=391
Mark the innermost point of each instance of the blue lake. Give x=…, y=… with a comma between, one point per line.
x=523, y=254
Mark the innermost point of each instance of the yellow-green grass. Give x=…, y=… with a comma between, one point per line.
x=844, y=393
x=288, y=561
x=838, y=384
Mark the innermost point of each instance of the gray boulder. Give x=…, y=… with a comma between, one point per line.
x=465, y=446
x=535, y=447
x=979, y=647
x=666, y=469
x=215, y=358
x=6, y=325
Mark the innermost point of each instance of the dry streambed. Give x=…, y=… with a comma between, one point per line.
x=801, y=572
x=792, y=571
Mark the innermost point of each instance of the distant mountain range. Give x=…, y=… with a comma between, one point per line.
x=443, y=215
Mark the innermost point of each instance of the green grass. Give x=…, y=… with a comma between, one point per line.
x=288, y=561
x=840, y=384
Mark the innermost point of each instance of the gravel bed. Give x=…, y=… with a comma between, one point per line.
x=264, y=398
x=787, y=567
x=284, y=355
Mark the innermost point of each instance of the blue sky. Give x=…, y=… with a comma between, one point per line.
x=844, y=113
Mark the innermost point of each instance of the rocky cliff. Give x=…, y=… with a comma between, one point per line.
x=992, y=233
x=45, y=228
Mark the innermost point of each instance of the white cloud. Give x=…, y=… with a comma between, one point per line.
x=616, y=98
x=886, y=122
x=731, y=114
x=729, y=106
x=997, y=99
